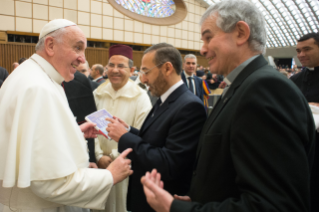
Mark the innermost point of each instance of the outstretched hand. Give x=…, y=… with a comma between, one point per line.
x=88, y=128
x=120, y=168
x=159, y=199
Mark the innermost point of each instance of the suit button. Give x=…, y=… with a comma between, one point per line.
x=194, y=173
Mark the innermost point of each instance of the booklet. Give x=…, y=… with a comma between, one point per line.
x=98, y=118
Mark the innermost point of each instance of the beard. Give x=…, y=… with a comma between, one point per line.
x=158, y=86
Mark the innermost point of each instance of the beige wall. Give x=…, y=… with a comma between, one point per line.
x=99, y=20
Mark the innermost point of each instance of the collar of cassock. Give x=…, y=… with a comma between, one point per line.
x=313, y=69
x=48, y=68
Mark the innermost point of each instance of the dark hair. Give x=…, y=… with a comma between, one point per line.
x=21, y=60
x=166, y=53
x=309, y=36
x=99, y=68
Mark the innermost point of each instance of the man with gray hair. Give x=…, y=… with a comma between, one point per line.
x=43, y=153
x=257, y=146
x=97, y=73
x=194, y=83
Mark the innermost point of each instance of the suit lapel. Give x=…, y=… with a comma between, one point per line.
x=171, y=98
x=248, y=70
x=183, y=77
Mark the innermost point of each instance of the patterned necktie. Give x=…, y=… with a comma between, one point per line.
x=190, y=84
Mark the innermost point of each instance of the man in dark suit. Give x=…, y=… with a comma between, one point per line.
x=194, y=83
x=97, y=73
x=308, y=82
x=3, y=75
x=81, y=102
x=257, y=146
x=84, y=68
x=169, y=135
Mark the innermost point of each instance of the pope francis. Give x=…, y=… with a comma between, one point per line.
x=43, y=153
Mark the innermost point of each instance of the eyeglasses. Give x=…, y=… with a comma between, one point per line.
x=147, y=71
x=119, y=66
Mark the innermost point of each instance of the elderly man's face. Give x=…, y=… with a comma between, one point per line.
x=153, y=76
x=308, y=53
x=69, y=53
x=218, y=47
x=118, y=71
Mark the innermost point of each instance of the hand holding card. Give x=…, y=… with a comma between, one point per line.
x=98, y=118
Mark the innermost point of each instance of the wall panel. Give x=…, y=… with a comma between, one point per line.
x=12, y=52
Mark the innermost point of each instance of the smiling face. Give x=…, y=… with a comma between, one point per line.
x=308, y=53
x=118, y=71
x=69, y=53
x=219, y=48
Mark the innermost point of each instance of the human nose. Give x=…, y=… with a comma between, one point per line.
x=143, y=78
x=82, y=57
x=203, y=50
x=301, y=54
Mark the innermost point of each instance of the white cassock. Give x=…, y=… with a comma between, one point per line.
x=43, y=154
x=132, y=105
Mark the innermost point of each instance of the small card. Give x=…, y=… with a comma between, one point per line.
x=98, y=118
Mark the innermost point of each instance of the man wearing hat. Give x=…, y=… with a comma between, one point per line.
x=43, y=153
x=168, y=138
x=125, y=100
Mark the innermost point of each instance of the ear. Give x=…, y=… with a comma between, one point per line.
x=49, y=46
x=168, y=69
x=242, y=32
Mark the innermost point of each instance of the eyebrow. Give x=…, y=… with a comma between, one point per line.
x=144, y=68
x=80, y=42
x=304, y=47
x=206, y=31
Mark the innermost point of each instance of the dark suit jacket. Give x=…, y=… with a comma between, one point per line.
x=81, y=102
x=215, y=85
x=3, y=75
x=166, y=142
x=255, y=149
x=198, y=85
x=100, y=81
x=94, y=85
x=308, y=82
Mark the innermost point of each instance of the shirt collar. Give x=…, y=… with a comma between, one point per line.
x=233, y=74
x=48, y=68
x=165, y=95
x=97, y=79
x=186, y=75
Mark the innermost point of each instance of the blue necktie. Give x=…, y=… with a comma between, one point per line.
x=190, y=84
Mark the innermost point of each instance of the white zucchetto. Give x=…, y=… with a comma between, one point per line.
x=55, y=25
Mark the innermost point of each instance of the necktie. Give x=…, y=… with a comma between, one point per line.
x=156, y=106
x=190, y=84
